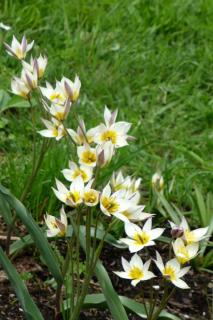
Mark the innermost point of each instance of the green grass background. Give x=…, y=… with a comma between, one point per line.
x=150, y=59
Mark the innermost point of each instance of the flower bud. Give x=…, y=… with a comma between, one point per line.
x=157, y=182
x=177, y=232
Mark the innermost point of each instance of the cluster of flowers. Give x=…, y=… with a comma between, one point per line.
x=185, y=247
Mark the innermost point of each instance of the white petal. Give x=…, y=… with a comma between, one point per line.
x=131, y=229
x=148, y=225
x=183, y=271
x=136, y=261
x=125, y=264
x=156, y=233
x=180, y=284
x=122, y=274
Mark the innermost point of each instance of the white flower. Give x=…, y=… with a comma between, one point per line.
x=116, y=132
x=39, y=64
x=73, y=196
x=135, y=270
x=157, y=182
x=135, y=213
x=4, y=26
x=131, y=185
x=56, y=227
x=185, y=253
x=140, y=238
x=113, y=204
x=81, y=136
x=105, y=153
x=19, y=88
x=17, y=49
x=54, y=95
x=30, y=78
x=91, y=196
x=55, y=129
x=172, y=271
x=71, y=89
x=190, y=236
x=74, y=171
x=87, y=155
x=60, y=112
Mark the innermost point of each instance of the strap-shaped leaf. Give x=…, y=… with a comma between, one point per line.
x=5, y=211
x=98, y=301
x=116, y=308
x=29, y=307
x=34, y=230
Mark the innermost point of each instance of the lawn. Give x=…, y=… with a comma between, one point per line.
x=150, y=59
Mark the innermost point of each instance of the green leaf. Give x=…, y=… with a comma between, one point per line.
x=98, y=301
x=34, y=230
x=5, y=211
x=29, y=307
x=116, y=308
x=18, y=245
x=14, y=102
x=201, y=206
x=170, y=210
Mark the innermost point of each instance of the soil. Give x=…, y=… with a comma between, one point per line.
x=187, y=304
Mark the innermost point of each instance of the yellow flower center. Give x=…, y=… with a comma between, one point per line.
x=109, y=135
x=110, y=204
x=55, y=131
x=74, y=196
x=79, y=172
x=169, y=272
x=90, y=196
x=75, y=95
x=59, y=116
x=189, y=236
x=88, y=157
x=56, y=96
x=40, y=72
x=141, y=238
x=127, y=214
x=182, y=255
x=136, y=273
x=19, y=53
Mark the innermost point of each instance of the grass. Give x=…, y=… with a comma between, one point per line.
x=151, y=59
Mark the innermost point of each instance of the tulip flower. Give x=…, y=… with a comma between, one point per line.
x=55, y=129
x=17, y=49
x=56, y=227
x=113, y=204
x=140, y=238
x=87, y=155
x=172, y=271
x=59, y=112
x=30, y=78
x=54, y=95
x=72, y=197
x=185, y=253
x=81, y=136
x=135, y=270
x=90, y=196
x=135, y=213
x=157, y=182
x=105, y=153
x=190, y=236
x=39, y=64
x=116, y=132
x=19, y=87
x=74, y=171
x=71, y=89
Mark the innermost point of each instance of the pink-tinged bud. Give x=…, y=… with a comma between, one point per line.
x=101, y=159
x=68, y=90
x=177, y=232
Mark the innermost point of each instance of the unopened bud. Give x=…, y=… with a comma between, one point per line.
x=157, y=182
x=177, y=232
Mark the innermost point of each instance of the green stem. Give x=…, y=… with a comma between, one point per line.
x=163, y=303
x=59, y=286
